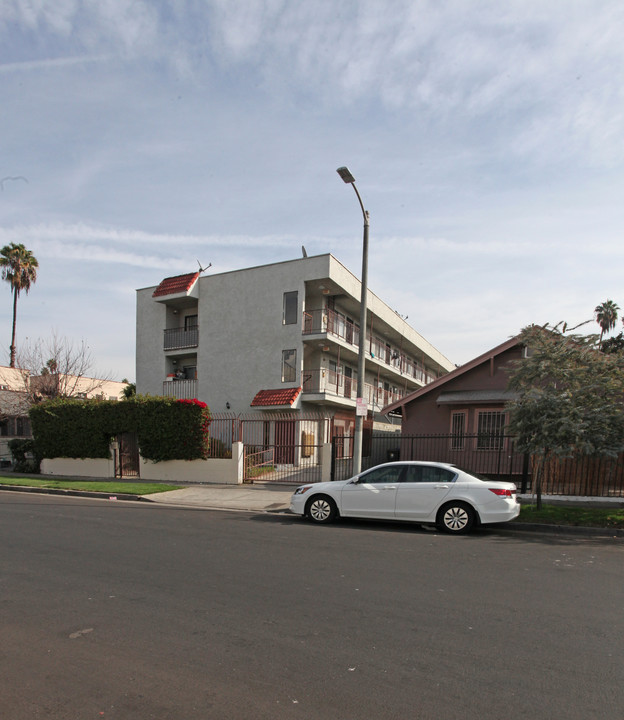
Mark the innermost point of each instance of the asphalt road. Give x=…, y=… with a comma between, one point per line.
x=134, y=611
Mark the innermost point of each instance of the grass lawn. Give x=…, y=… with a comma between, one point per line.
x=109, y=488
x=579, y=516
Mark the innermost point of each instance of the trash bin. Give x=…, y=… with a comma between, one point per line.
x=393, y=455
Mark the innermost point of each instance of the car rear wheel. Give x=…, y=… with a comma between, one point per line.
x=456, y=518
x=321, y=509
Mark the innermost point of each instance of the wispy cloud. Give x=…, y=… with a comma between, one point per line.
x=50, y=64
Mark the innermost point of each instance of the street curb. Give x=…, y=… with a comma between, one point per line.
x=559, y=529
x=133, y=498
x=74, y=493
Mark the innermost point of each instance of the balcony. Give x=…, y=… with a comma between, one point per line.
x=180, y=389
x=181, y=338
x=334, y=324
x=337, y=385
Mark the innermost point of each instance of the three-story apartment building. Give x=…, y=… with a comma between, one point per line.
x=277, y=337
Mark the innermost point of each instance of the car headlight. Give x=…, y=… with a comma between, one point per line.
x=303, y=489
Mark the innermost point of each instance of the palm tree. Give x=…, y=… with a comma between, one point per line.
x=19, y=269
x=606, y=317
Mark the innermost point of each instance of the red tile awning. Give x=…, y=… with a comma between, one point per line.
x=175, y=285
x=281, y=396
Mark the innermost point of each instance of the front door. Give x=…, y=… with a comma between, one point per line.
x=374, y=495
x=285, y=442
x=348, y=375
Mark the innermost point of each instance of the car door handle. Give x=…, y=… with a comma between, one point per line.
x=441, y=487
x=390, y=487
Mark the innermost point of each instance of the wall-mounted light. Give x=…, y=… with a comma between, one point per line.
x=227, y=406
x=175, y=362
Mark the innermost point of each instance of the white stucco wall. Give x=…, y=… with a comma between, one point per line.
x=228, y=471
x=78, y=467
x=150, y=358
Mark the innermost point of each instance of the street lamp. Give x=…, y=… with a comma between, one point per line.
x=361, y=405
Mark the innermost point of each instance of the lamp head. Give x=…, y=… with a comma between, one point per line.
x=345, y=174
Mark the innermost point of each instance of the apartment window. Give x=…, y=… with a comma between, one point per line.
x=490, y=426
x=190, y=321
x=458, y=430
x=290, y=308
x=289, y=365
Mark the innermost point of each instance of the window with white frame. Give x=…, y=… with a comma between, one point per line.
x=490, y=426
x=458, y=430
x=289, y=365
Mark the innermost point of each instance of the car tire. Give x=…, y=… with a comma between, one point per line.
x=321, y=509
x=455, y=518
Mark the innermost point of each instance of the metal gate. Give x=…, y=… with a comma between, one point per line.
x=127, y=456
x=282, y=448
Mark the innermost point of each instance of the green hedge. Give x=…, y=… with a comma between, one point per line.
x=167, y=429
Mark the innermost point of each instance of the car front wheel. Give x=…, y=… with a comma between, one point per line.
x=321, y=509
x=456, y=518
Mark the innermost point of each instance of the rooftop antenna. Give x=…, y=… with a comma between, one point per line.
x=303, y=250
x=203, y=269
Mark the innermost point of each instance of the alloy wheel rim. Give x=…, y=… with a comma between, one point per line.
x=320, y=510
x=456, y=518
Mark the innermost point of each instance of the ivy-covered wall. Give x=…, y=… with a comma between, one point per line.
x=167, y=429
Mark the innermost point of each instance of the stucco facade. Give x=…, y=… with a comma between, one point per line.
x=223, y=338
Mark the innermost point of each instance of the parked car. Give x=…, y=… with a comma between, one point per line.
x=422, y=492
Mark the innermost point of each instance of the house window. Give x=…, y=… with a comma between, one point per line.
x=458, y=430
x=290, y=308
x=490, y=426
x=289, y=365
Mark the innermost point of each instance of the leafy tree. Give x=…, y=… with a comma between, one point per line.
x=613, y=344
x=606, y=316
x=130, y=390
x=569, y=398
x=19, y=269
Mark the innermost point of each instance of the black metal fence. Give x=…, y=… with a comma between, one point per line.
x=492, y=456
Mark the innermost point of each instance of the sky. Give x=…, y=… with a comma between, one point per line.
x=140, y=137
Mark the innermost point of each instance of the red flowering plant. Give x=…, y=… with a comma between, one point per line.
x=196, y=419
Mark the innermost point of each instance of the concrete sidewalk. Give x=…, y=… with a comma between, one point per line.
x=255, y=498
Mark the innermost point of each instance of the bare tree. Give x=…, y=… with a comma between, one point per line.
x=58, y=367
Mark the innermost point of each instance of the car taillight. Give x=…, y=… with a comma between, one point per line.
x=502, y=492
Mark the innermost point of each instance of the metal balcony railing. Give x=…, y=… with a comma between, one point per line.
x=180, y=389
x=179, y=338
x=329, y=382
x=335, y=324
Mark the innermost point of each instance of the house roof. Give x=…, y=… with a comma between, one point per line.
x=175, y=285
x=281, y=396
x=436, y=385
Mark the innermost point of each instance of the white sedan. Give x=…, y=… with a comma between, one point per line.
x=422, y=492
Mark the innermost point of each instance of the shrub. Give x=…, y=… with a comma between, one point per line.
x=167, y=429
x=26, y=458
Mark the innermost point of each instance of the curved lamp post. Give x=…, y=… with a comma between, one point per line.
x=359, y=419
